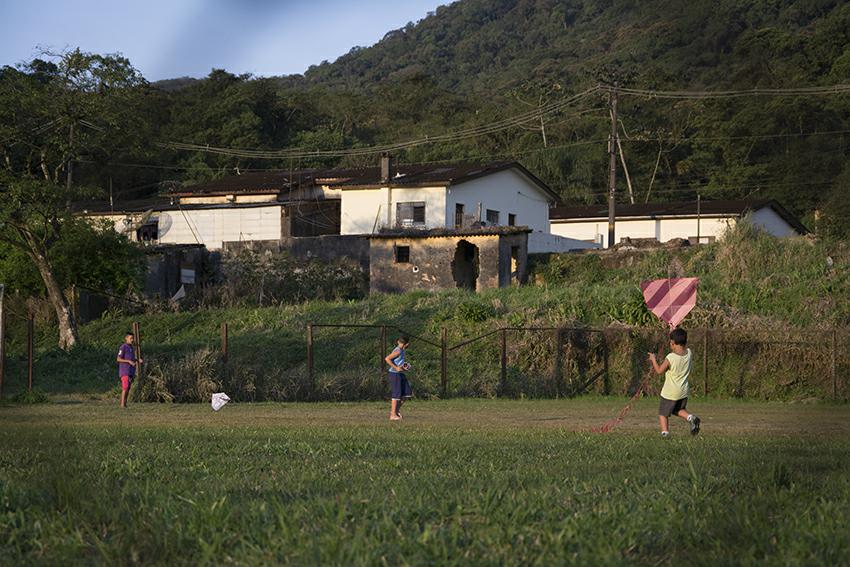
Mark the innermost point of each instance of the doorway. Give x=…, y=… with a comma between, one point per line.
x=465, y=265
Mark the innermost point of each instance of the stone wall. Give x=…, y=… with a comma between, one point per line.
x=327, y=248
x=513, y=269
x=435, y=263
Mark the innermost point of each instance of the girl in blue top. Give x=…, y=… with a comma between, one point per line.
x=401, y=389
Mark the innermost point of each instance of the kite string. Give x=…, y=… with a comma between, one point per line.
x=614, y=422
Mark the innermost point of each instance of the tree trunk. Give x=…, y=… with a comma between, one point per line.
x=67, y=324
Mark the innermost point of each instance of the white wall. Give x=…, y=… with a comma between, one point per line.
x=669, y=228
x=660, y=229
x=506, y=191
x=211, y=227
x=770, y=221
x=360, y=207
x=539, y=242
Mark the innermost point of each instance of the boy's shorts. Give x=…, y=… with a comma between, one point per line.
x=400, y=386
x=125, y=382
x=669, y=407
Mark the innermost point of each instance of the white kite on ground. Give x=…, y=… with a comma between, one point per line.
x=218, y=400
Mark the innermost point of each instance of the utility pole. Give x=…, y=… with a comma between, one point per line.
x=70, y=165
x=612, y=166
x=698, y=216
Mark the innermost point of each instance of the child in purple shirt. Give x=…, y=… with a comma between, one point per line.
x=126, y=366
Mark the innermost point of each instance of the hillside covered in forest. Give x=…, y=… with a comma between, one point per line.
x=475, y=62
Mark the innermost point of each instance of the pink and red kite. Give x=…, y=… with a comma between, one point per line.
x=671, y=299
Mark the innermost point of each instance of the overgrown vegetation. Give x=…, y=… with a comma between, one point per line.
x=253, y=277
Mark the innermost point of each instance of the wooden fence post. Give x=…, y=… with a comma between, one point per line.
x=137, y=332
x=444, y=355
x=310, y=374
x=605, y=364
x=382, y=364
x=705, y=362
x=224, y=353
x=30, y=333
x=559, y=340
x=2, y=341
x=834, y=369
x=503, y=352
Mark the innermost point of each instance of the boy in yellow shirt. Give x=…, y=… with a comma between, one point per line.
x=674, y=394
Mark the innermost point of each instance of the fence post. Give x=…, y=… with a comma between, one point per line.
x=30, y=333
x=834, y=370
x=310, y=375
x=2, y=341
x=137, y=332
x=605, y=366
x=383, y=353
x=224, y=353
x=503, y=352
x=444, y=355
x=705, y=362
x=559, y=339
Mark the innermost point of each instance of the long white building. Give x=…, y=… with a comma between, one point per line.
x=697, y=222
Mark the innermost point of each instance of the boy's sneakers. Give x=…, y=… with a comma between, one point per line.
x=665, y=434
x=694, y=424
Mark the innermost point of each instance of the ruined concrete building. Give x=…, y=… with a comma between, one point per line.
x=473, y=259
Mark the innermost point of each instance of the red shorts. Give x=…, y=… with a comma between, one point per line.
x=125, y=382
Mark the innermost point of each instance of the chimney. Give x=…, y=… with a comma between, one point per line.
x=386, y=168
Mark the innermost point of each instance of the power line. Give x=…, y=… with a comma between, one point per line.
x=458, y=135
x=693, y=95
x=509, y=122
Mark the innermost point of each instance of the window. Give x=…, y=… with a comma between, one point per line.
x=492, y=217
x=511, y=219
x=148, y=232
x=410, y=214
x=459, y=215
x=402, y=254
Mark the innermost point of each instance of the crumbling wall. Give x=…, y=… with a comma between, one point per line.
x=430, y=263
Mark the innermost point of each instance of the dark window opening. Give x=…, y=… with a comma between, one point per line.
x=458, y=215
x=148, y=232
x=402, y=254
x=492, y=217
x=511, y=219
x=410, y=214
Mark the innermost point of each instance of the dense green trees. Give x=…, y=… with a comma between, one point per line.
x=465, y=66
x=66, y=109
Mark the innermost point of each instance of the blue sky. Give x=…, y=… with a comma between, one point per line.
x=174, y=38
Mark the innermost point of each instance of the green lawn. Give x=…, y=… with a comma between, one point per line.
x=457, y=482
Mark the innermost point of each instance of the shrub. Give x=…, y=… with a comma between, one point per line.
x=34, y=396
x=475, y=311
x=252, y=277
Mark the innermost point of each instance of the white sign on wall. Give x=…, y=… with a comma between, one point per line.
x=187, y=276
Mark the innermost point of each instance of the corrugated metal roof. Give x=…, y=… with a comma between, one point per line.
x=413, y=175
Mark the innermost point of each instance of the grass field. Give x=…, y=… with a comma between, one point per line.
x=457, y=482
